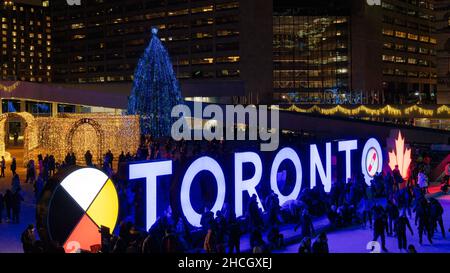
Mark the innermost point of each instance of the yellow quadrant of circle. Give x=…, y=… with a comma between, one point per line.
x=105, y=208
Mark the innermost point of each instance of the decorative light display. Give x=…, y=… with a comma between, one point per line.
x=30, y=133
x=401, y=157
x=386, y=110
x=155, y=90
x=50, y=135
x=9, y=88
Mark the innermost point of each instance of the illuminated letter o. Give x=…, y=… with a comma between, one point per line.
x=202, y=164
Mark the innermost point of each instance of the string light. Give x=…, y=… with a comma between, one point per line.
x=386, y=110
x=443, y=109
x=9, y=88
x=50, y=135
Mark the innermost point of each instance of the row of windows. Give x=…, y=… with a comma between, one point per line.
x=119, y=10
x=404, y=60
x=410, y=74
x=409, y=36
x=407, y=11
x=183, y=75
x=182, y=37
x=405, y=23
x=286, y=74
x=409, y=48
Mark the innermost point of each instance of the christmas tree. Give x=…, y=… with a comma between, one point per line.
x=155, y=90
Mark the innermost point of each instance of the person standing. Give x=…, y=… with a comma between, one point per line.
x=305, y=246
x=2, y=167
x=392, y=211
x=122, y=158
x=320, y=245
x=423, y=216
x=306, y=225
x=39, y=187
x=8, y=204
x=73, y=159
x=400, y=228
x=379, y=226
x=31, y=172
x=422, y=181
x=16, y=205
x=88, y=158
x=28, y=238
x=51, y=165
x=398, y=179
x=436, y=211
x=234, y=234
x=110, y=157
x=13, y=166
x=2, y=205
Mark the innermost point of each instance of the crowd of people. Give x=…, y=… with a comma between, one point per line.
x=386, y=207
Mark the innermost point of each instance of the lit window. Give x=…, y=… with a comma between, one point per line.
x=388, y=32
x=399, y=59
x=424, y=39
x=412, y=61
x=388, y=58
x=413, y=36
x=400, y=34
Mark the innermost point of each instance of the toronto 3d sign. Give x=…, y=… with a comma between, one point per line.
x=77, y=202
x=319, y=171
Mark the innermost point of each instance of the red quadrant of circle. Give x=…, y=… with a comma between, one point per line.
x=85, y=235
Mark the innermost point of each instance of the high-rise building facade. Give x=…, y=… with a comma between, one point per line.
x=409, y=51
x=236, y=51
x=311, y=51
x=215, y=52
x=442, y=8
x=355, y=52
x=26, y=41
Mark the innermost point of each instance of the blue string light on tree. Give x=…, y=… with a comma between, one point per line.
x=155, y=90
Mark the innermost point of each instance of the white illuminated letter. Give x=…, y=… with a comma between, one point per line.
x=316, y=163
x=150, y=171
x=347, y=147
x=286, y=154
x=248, y=185
x=202, y=164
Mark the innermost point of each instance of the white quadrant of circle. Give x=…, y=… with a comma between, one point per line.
x=84, y=184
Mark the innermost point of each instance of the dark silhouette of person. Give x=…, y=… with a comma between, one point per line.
x=254, y=214
x=305, y=246
x=398, y=179
x=16, y=206
x=88, y=158
x=2, y=206
x=13, y=166
x=379, y=226
x=436, y=211
x=393, y=213
x=8, y=198
x=307, y=227
x=28, y=239
x=320, y=245
x=400, y=226
x=423, y=216
x=206, y=219
x=234, y=234
x=2, y=167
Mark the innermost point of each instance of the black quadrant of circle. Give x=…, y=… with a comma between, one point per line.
x=63, y=216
